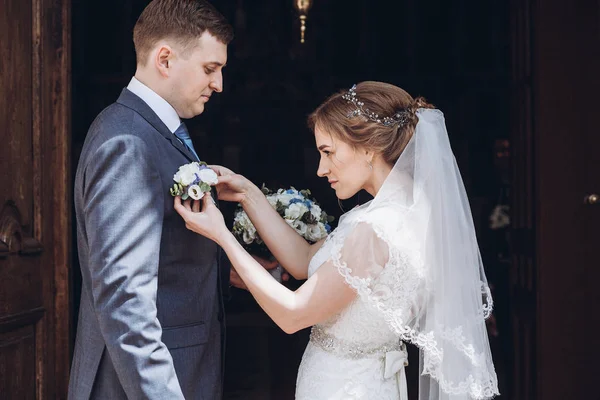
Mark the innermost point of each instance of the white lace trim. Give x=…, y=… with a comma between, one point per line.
x=406, y=267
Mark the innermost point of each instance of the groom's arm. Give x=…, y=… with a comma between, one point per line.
x=123, y=216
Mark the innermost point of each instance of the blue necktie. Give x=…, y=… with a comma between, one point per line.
x=184, y=136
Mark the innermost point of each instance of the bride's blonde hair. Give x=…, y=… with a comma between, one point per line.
x=335, y=117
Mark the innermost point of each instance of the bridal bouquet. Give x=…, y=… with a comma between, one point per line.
x=299, y=210
x=193, y=180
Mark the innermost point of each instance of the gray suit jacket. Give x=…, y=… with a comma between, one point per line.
x=151, y=315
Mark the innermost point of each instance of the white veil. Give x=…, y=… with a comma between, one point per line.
x=433, y=291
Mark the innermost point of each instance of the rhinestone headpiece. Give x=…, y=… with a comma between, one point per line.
x=400, y=117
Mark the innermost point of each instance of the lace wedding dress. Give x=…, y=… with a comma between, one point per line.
x=412, y=256
x=354, y=355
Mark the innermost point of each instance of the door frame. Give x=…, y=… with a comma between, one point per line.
x=52, y=198
x=522, y=382
x=552, y=280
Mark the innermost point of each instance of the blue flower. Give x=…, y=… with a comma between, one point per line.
x=328, y=228
x=197, y=180
x=294, y=201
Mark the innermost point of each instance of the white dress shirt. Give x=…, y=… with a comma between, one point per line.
x=160, y=106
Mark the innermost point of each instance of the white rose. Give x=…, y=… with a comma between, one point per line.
x=248, y=237
x=314, y=233
x=316, y=212
x=272, y=201
x=248, y=230
x=295, y=211
x=209, y=176
x=195, y=193
x=241, y=218
x=285, y=198
x=323, y=230
x=249, y=226
x=300, y=227
x=186, y=175
x=304, y=207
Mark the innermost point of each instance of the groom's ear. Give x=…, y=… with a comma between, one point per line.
x=164, y=59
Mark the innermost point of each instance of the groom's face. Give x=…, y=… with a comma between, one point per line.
x=196, y=74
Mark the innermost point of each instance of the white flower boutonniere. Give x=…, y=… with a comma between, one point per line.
x=193, y=180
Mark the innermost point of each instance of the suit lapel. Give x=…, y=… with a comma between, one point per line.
x=130, y=100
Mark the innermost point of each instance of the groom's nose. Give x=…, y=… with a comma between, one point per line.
x=217, y=83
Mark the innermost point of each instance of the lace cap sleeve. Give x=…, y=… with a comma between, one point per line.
x=360, y=256
x=383, y=273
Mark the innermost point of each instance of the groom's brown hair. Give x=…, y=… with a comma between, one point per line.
x=181, y=20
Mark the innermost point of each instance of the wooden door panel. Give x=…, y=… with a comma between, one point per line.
x=590, y=82
x=567, y=84
x=18, y=274
x=21, y=274
x=523, y=274
x=16, y=104
x=17, y=355
x=555, y=271
x=34, y=198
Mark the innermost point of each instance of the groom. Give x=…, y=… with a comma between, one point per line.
x=150, y=323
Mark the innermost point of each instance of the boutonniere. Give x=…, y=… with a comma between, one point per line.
x=193, y=180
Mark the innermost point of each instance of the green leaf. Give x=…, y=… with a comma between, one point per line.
x=280, y=208
x=266, y=191
x=185, y=196
x=205, y=187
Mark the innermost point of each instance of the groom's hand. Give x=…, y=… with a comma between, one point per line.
x=236, y=281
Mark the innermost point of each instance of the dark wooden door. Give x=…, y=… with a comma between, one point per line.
x=556, y=269
x=34, y=199
x=566, y=88
x=521, y=379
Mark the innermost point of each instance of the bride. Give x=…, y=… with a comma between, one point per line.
x=402, y=268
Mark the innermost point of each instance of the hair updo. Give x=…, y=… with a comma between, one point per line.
x=381, y=98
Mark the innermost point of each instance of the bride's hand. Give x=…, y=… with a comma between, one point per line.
x=208, y=223
x=231, y=187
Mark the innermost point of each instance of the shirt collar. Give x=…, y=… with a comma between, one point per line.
x=160, y=106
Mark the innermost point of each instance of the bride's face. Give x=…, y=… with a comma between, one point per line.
x=345, y=167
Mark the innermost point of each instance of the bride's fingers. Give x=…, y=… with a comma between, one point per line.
x=196, y=206
x=207, y=202
x=188, y=204
x=225, y=180
x=220, y=170
x=177, y=203
x=179, y=207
